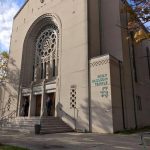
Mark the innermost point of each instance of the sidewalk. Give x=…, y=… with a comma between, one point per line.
x=73, y=141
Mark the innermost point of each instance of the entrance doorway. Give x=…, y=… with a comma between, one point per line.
x=52, y=108
x=38, y=105
x=25, y=106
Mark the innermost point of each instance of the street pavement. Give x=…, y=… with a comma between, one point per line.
x=73, y=141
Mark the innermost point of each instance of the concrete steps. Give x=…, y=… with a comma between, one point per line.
x=21, y=124
x=48, y=125
x=54, y=125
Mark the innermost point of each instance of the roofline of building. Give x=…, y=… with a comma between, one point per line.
x=20, y=9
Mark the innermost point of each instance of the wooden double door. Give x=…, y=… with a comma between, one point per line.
x=38, y=105
x=38, y=100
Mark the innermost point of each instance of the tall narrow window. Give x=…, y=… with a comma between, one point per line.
x=41, y=70
x=139, y=103
x=53, y=67
x=133, y=56
x=33, y=73
x=148, y=61
x=46, y=51
x=44, y=70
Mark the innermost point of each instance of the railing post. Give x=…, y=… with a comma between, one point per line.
x=30, y=105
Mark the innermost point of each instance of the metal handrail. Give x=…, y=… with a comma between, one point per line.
x=7, y=117
x=5, y=107
x=2, y=109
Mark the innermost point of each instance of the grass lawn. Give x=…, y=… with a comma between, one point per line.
x=8, y=147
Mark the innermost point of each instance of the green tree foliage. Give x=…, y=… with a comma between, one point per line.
x=141, y=10
x=5, y=54
x=139, y=18
x=3, y=65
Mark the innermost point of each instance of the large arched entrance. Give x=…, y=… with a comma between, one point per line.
x=40, y=65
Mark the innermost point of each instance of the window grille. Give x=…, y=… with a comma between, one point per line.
x=73, y=97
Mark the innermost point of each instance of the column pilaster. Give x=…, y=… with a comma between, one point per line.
x=31, y=101
x=42, y=99
x=19, y=104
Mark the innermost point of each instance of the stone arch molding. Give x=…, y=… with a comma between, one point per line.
x=51, y=17
x=28, y=54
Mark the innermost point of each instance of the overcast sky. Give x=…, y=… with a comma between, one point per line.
x=8, y=8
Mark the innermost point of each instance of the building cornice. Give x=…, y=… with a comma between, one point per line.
x=21, y=9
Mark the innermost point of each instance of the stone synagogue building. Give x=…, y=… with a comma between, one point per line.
x=76, y=53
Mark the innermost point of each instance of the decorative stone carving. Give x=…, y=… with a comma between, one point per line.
x=46, y=43
x=100, y=62
x=46, y=50
x=47, y=70
x=37, y=73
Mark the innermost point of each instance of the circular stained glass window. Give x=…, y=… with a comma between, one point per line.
x=46, y=42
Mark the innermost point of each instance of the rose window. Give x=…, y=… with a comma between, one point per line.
x=46, y=56
x=46, y=43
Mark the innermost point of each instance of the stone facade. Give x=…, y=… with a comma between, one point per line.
x=74, y=52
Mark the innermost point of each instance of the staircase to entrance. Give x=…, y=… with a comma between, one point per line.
x=54, y=125
x=48, y=125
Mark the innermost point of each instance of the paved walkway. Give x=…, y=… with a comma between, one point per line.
x=73, y=141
